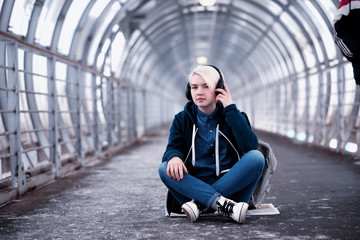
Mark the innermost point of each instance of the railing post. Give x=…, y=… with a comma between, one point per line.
x=134, y=110
x=118, y=111
x=306, y=114
x=95, y=113
x=340, y=122
x=145, y=109
x=54, y=156
x=109, y=111
x=18, y=177
x=129, y=119
x=78, y=131
x=294, y=100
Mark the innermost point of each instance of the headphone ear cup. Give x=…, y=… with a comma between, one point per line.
x=188, y=92
x=220, y=84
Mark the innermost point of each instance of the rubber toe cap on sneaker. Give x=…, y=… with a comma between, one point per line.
x=242, y=208
x=191, y=210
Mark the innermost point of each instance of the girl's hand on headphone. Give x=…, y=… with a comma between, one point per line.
x=224, y=97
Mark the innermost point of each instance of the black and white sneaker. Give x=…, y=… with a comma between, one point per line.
x=191, y=210
x=234, y=210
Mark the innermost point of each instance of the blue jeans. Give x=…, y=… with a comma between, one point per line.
x=237, y=184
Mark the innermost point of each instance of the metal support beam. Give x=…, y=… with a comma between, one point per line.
x=55, y=155
x=18, y=177
x=118, y=110
x=145, y=110
x=78, y=122
x=95, y=114
x=134, y=110
x=5, y=14
x=109, y=111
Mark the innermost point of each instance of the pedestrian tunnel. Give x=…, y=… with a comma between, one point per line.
x=82, y=79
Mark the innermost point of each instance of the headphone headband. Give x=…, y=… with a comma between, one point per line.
x=218, y=70
x=220, y=83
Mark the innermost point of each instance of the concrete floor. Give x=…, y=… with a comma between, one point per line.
x=317, y=193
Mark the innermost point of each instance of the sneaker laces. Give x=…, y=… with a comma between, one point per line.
x=226, y=209
x=200, y=206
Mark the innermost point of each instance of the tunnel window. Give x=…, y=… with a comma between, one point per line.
x=98, y=8
x=301, y=100
x=20, y=16
x=349, y=91
x=333, y=97
x=313, y=91
x=41, y=85
x=25, y=120
x=326, y=36
x=270, y=5
x=278, y=63
x=284, y=2
x=47, y=21
x=101, y=96
x=295, y=57
x=328, y=7
x=267, y=62
x=254, y=10
x=89, y=97
x=282, y=100
x=132, y=41
x=62, y=99
x=107, y=68
x=70, y=24
x=299, y=37
x=313, y=40
x=280, y=52
x=101, y=57
x=99, y=31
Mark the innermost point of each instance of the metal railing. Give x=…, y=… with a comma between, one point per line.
x=58, y=114
x=321, y=109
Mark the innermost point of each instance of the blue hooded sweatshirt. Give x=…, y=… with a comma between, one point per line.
x=231, y=124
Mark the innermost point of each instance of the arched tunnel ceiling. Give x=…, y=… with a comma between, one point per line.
x=255, y=43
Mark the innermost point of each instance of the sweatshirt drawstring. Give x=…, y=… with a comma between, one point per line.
x=217, y=151
x=237, y=153
x=217, y=158
x=193, y=144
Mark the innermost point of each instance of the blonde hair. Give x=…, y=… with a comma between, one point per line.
x=208, y=73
